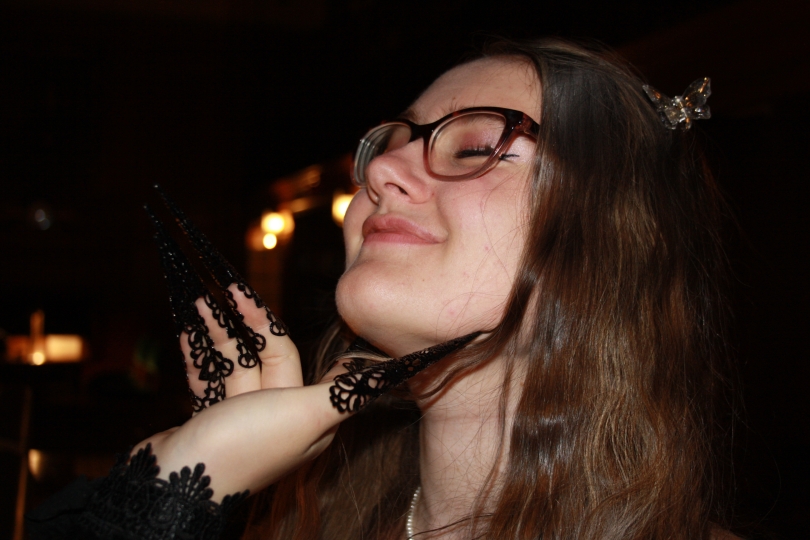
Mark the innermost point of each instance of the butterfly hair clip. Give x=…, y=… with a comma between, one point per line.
x=680, y=111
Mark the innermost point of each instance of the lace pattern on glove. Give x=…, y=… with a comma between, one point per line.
x=185, y=286
x=360, y=385
x=132, y=503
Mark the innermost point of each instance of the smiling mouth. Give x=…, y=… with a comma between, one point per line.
x=392, y=229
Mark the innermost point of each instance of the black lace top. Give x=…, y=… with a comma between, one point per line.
x=133, y=504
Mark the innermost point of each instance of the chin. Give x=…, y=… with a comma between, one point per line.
x=378, y=306
x=366, y=309
x=398, y=321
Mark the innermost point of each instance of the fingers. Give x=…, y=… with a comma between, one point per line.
x=225, y=338
x=206, y=366
x=280, y=361
x=196, y=385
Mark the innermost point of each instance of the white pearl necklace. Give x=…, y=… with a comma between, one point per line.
x=409, y=522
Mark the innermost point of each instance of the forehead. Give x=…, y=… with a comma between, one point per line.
x=508, y=82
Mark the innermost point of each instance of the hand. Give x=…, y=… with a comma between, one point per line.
x=274, y=363
x=269, y=423
x=255, y=420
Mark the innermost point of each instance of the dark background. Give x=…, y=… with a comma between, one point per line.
x=215, y=100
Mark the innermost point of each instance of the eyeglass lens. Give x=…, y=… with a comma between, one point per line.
x=465, y=144
x=459, y=147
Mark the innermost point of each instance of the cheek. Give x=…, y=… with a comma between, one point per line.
x=359, y=209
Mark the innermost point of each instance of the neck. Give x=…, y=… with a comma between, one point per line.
x=460, y=437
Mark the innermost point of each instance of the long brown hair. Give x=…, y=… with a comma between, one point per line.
x=620, y=291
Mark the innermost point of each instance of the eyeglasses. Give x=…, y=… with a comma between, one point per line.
x=464, y=144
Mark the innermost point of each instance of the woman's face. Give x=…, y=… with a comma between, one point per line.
x=428, y=260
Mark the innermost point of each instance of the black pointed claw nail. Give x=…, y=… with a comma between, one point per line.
x=185, y=287
x=223, y=272
x=358, y=387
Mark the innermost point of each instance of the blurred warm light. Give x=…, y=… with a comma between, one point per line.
x=272, y=222
x=63, y=347
x=18, y=347
x=37, y=322
x=269, y=241
x=35, y=463
x=340, y=203
x=311, y=176
x=302, y=204
x=279, y=223
x=49, y=348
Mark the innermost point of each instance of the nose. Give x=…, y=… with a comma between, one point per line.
x=400, y=175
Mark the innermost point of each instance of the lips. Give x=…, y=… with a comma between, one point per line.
x=394, y=229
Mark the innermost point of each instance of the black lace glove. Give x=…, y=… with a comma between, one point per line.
x=133, y=504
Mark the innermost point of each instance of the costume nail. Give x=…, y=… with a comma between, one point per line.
x=362, y=384
x=185, y=287
x=223, y=272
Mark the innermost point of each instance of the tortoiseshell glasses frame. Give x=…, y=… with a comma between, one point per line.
x=465, y=144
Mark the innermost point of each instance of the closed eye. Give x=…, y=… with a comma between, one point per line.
x=474, y=152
